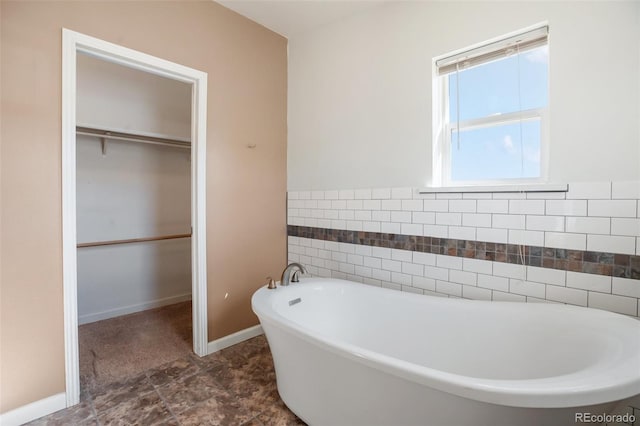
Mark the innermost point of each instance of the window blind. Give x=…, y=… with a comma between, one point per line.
x=493, y=51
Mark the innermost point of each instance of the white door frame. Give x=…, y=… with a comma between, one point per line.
x=72, y=43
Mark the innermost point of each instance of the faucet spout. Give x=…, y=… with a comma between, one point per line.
x=291, y=270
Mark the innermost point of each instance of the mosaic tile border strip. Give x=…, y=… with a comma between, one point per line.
x=590, y=262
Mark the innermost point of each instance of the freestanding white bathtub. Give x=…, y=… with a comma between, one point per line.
x=351, y=354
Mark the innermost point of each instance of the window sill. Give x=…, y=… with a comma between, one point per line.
x=545, y=187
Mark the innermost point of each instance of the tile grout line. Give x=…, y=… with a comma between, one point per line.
x=231, y=393
x=164, y=401
x=199, y=369
x=235, y=395
x=254, y=418
x=93, y=409
x=127, y=379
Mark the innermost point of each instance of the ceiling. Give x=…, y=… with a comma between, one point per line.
x=292, y=17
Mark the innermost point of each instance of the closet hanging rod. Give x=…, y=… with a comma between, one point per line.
x=133, y=240
x=108, y=134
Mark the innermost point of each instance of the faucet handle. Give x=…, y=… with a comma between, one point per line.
x=271, y=283
x=295, y=278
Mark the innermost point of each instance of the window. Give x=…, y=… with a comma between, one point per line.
x=490, y=112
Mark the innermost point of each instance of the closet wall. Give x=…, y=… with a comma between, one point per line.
x=134, y=190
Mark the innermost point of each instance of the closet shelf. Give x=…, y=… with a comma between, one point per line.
x=133, y=240
x=131, y=137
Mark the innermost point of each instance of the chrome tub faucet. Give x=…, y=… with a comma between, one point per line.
x=290, y=274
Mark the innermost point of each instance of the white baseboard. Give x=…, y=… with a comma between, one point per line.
x=232, y=339
x=125, y=310
x=33, y=411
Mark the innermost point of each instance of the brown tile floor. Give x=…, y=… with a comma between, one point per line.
x=235, y=386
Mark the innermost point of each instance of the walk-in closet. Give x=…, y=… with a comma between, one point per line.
x=133, y=170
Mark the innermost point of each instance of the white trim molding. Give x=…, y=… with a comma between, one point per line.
x=69, y=235
x=235, y=338
x=72, y=44
x=34, y=410
x=541, y=187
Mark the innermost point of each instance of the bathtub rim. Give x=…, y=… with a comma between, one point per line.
x=547, y=392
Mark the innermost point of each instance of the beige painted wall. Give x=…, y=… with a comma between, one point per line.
x=247, y=68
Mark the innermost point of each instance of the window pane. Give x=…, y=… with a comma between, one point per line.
x=492, y=88
x=492, y=153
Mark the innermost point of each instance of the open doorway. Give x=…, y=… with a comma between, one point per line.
x=133, y=202
x=88, y=142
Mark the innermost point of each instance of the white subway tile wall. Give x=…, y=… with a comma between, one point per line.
x=461, y=277
x=597, y=216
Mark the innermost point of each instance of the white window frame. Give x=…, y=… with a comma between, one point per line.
x=443, y=128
